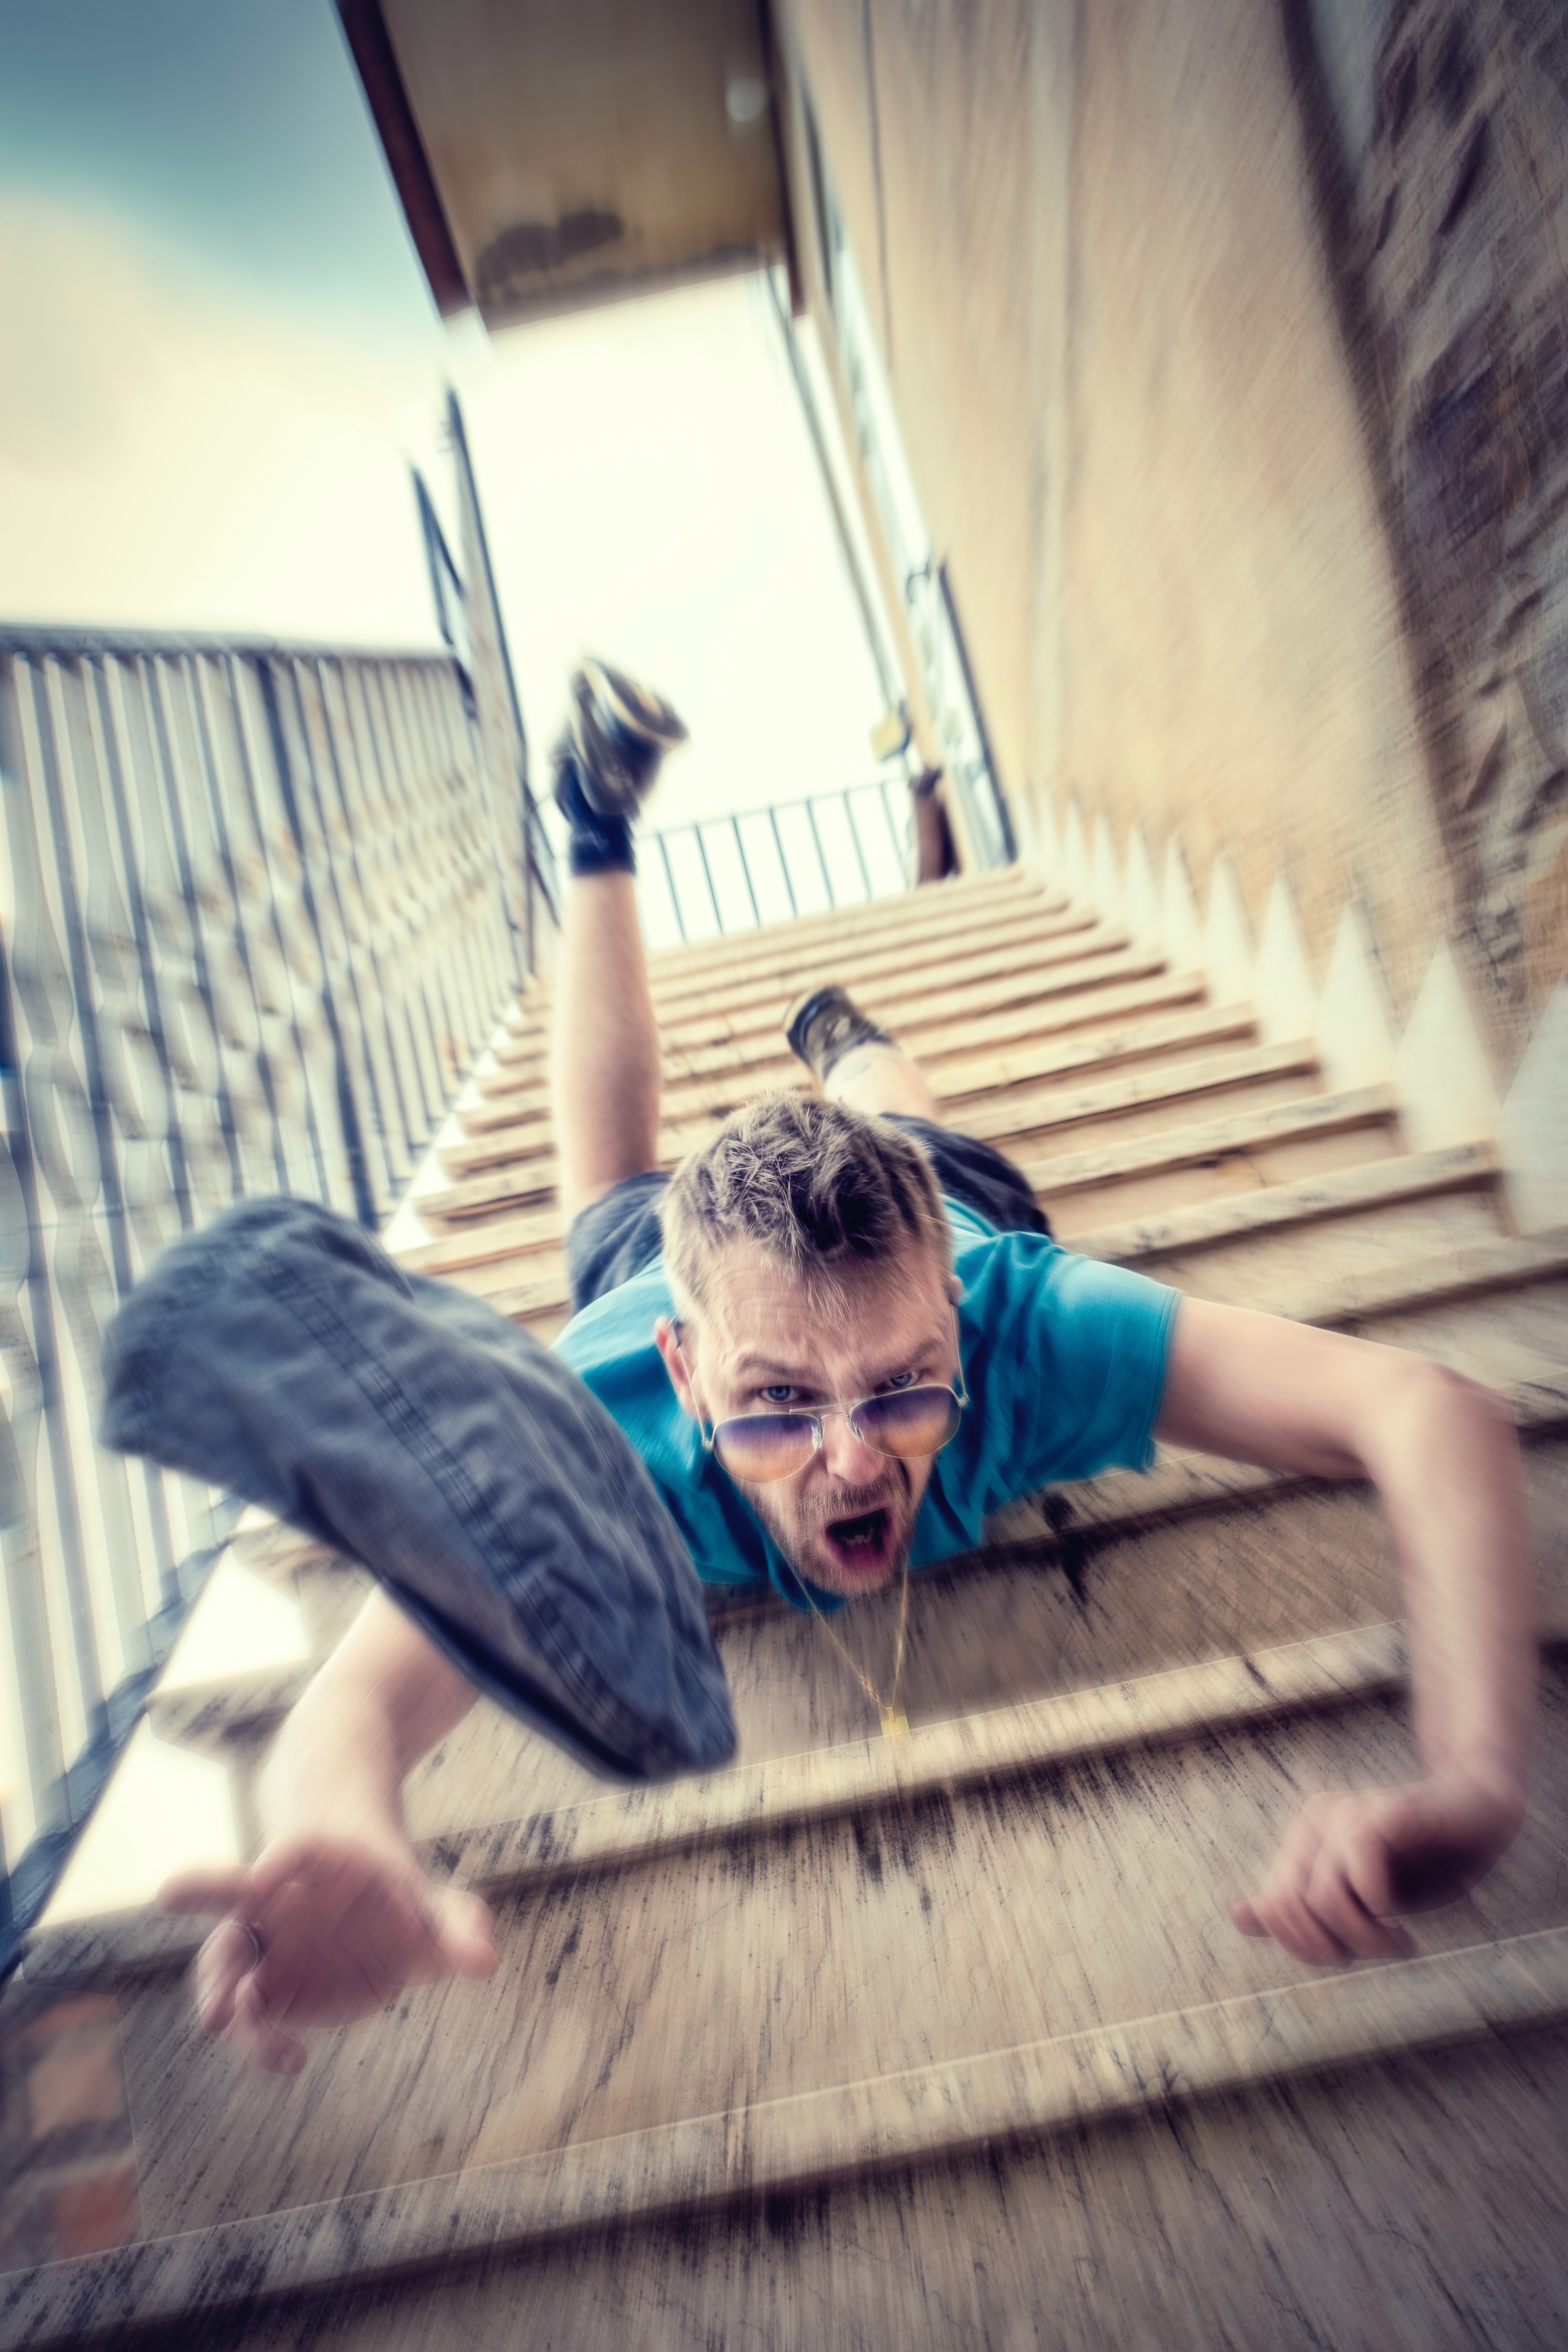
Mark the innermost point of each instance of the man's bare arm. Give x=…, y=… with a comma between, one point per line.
x=1443, y=1456
x=384, y=1700
x=336, y=1915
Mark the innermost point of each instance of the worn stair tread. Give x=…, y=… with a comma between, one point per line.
x=1060, y=2084
x=878, y=976
x=529, y=1174
x=894, y=927
x=973, y=888
x=1166, y=1080
x=899, y=916
x=498, y=1088
x=1239, y=1130
x=1338, y=1194
x=986, y=1094
x=480, y=1129
x=1365, y=1294
x=1095, y=1030
x=734, y=1003
x=1052, y=1017
x=1470, y=1268
x=1534, y=1387
x=1064, y=993
x=501, y=1774
x=1009, y=955
x=505, y=1235
x=817, y=1783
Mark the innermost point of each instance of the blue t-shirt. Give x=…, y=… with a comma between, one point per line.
x=1065, y=1361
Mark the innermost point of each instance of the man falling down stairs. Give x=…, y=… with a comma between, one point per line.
x=835, y=1359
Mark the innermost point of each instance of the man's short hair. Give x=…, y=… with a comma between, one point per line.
x=824, y=1191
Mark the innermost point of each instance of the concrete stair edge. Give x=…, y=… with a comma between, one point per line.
x=882, y=981
x=1052, y=1179
x=950, y=2108
x=1165, y=1031
x=1381, y=1181
x=461, y=1145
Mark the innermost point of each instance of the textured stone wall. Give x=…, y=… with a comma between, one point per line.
x=1453, y=121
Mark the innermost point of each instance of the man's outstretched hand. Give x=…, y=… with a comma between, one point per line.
x=321, y=1931
x=1350, y=1862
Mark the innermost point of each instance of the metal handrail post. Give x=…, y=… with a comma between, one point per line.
x=855, y=837
x=817, y=837
x=669, y=885
x=783, y=861
x=746, y=871
x=707, y=878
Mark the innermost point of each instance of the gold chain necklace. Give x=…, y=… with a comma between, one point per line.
x=895, y=1722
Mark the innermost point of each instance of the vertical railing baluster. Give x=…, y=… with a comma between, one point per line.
x=256, y=941
x=855, y=837
x=783, y=861
x=708, y=877
x=669, y=884
x=894, y=833
x=746, y=871
x=817, y=837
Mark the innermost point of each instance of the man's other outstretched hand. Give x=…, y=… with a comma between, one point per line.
x=321, y=1931
x=1351, y=1862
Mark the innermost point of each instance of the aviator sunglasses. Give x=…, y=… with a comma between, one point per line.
x=907, y=1423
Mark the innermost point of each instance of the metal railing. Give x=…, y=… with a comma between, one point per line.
x=762, y=865
x=261, y=907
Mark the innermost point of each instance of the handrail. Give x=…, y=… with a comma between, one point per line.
x=790, y=869
x=258, y=917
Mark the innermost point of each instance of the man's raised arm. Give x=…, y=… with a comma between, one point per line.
x=1444, y=1457
x=336, y=1915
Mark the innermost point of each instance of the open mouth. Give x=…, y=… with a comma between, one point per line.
x=861, y=1545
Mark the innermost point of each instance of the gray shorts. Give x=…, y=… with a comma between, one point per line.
x=619, y=1236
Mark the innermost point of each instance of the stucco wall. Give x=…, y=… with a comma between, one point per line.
x=892, y=89
x=1094, y=241
x=1233, y=658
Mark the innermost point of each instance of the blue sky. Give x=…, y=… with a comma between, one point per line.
x=220, y=358
x=231, y=132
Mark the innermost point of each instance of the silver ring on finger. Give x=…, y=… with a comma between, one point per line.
x=257, y=1944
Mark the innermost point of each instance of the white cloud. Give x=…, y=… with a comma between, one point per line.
x=172, y=459
x=169, y=459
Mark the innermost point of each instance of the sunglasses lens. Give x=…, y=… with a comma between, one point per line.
x=908, y=1422
x=761, y=1446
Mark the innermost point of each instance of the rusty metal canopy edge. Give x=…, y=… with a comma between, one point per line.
x=553, y=156
x=370, y=46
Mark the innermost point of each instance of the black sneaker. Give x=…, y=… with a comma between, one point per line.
x=823, y=1024
x=616, y=736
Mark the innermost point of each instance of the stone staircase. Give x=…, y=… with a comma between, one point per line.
x=946, y=2039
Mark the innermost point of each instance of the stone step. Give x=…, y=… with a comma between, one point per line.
x=1064, y=1524
x=1241, y=1133
x=893, y=926
x=935, y=1000
x=934, y=912
x=475, y=1133
x=1061, y=1944
x=883, y=977
x=1121, y=2188
x=1414, y=1176
x=1171, y=1544
x=497, y=1228
x=1047, y=1648
x=1247, y=1148
x=1001, y=952
x=1113, y=1034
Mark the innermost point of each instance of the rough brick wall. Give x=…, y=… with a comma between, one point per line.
x=1458, y=167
